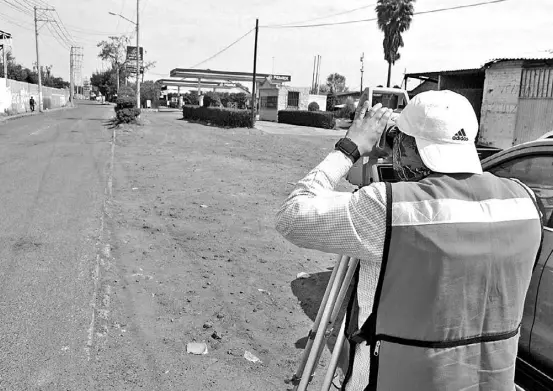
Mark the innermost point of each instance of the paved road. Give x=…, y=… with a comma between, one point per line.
x=53, y=177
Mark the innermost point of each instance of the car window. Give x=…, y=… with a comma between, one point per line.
x=537, y=173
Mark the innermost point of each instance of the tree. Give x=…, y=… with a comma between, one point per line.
x=324, y=89
x=114, y=50
x=150, y=90
x=105, y=82
x=336, y=83
x=147, y=66
x=20, y=73
x=240, y=98
x=394, y=18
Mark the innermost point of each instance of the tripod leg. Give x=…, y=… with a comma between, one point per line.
x=335, y=357
x=317, y=322
x=321, y=331
x=352, y=268
x=345, y=284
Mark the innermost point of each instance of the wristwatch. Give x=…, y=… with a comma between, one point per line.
x=348, y=148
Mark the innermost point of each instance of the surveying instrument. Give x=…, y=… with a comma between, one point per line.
x=362, y=173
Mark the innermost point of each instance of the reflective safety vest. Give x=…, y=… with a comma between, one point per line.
x=458, y=258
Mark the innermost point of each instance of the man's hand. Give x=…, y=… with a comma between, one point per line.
x=367, y=127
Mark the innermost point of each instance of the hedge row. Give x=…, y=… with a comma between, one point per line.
x=317, y=119
x=228, y=118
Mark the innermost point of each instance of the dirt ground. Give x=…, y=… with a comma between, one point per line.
x=196, y=258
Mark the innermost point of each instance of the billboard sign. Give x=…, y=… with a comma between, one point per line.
x=281, y=77
x=131, y=53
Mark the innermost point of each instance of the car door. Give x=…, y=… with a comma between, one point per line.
x=536, y=339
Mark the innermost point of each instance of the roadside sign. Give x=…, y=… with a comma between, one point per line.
x=131, y=53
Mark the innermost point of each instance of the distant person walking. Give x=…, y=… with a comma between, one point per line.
x=32, y=103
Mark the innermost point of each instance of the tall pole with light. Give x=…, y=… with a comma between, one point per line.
x=137, y=48
x=137, y=55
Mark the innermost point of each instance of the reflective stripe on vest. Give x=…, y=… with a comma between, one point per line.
x=450, y=296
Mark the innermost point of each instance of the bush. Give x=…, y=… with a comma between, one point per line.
x=318, y=119
x=125, y=106
x=228, y=118
x=127, y=115
x=313, y=106
x=125, y=102
x=348, y=109
x=212, y=99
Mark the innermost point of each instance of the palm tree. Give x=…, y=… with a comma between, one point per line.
x=394, y=18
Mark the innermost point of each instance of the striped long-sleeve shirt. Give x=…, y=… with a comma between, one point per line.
x=316, y=216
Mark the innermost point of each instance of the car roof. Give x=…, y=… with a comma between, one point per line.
x=542, y=144
x=546, y=135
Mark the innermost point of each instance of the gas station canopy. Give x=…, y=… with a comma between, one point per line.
x=208, y=74
x=202, y=84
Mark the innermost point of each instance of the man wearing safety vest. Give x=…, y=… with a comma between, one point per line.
x=446, y=254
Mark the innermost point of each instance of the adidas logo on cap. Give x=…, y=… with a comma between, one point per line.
x=460, y=136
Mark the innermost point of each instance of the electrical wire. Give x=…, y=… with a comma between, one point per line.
x=67, y=33
x=119, y=19
x=323, y=17
x=17, y=6
x=58, y=37
x=225, y=49
x=373, y=19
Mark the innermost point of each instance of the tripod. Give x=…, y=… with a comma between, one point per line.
x=335, y=293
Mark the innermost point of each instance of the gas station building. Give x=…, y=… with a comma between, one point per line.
x=271, y=91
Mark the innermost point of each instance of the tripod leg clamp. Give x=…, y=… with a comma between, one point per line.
x=359, y=337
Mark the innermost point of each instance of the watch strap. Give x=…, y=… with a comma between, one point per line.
x=348, y=148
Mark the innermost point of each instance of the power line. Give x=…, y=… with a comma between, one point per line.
x=120, y=12
x=17, y=6
x=67, y=33
x=373, y=19
x=226, y=48
x=58, y=37
x=323, y=17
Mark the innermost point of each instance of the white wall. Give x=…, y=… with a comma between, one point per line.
x=320, y=99
x=500, y=104
x=5, y=96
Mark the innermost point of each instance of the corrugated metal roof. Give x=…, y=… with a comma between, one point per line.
x=542, y=55
x=467, y=70
x=529, y=58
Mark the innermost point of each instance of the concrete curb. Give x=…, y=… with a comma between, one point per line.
x=23, y=115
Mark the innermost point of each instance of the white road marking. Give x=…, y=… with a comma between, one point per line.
x=40, y=130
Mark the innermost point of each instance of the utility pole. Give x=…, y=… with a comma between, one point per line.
x=318, y=75
x=362, y=69
x=313, y=79
x=4, y=59
x=254, y=71
x=5, y=36
x=38, y=65
x=137, y=54
x=71, y=75
x=37, y=55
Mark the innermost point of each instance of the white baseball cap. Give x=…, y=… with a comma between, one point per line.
x=444, y=126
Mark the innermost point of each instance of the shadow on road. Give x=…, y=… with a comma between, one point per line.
x=310, y=292
x=111, y=123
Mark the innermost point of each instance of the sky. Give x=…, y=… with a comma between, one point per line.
x=182, y=33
